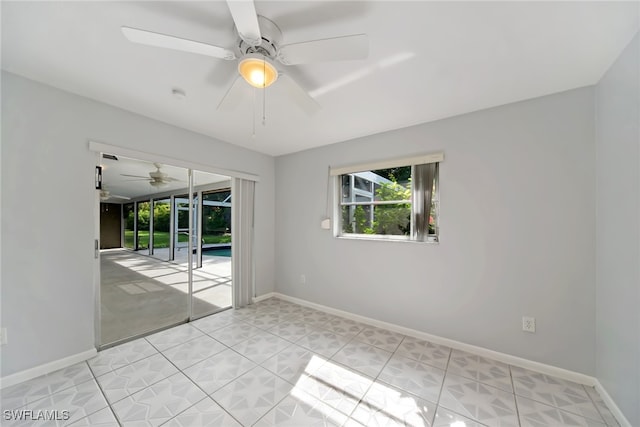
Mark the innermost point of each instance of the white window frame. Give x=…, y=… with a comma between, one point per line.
x=337, y=172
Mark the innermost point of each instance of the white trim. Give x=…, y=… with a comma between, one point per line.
x=617, y=413
x=152, y=157
x=481, y=351
x=386, y=164
x=265, y=296
x=47, y=368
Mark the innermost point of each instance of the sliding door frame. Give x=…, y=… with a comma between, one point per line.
x=100, y=148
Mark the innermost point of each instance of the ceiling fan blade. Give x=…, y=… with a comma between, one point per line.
x=298, y=95
x=171, y=42
x=134, y=176
x=234, y=95
x=114, y=196
x=333, y=49
x=245, y=17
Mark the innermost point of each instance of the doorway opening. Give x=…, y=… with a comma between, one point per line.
x=168, y=258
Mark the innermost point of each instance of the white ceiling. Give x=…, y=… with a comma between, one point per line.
x=117, y=184
x=428, y=60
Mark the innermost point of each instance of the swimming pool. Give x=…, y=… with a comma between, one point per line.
x=219, y=251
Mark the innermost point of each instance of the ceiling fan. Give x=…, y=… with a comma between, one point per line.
x=258, y=48
x=156, y=178
x=106, y=195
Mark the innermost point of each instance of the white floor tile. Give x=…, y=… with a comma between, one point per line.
x=171, y=337
x=447, y=418
x=267, y=319
x=384, y=405
x=252, y=395
x=80, y=401
x=193, y=351
x=424, y=352
x=120, y=355
x=362, y=357
x=158, y=403
x=606, y=414
x=219, y=320
x=562, y=394
x=300, y=410
x=261, y=346
x=481, y=369
x=536, y=414
x=345, y=327
x=335, y=385
x=102, y=418
x=21, y=394
x=381, y=338
x=323, y=342
x=219, y=370
x=293, y=362
x=478, y=401
x=205, y=413
x=417, y=378
x=235, y=333
x=132, y=378
x=291, y=330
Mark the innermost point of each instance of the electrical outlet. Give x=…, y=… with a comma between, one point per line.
x=529, y=324
x=303, y=279
x=3, y=336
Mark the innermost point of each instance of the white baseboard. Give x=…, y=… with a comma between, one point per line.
x=46, y=368
x=481, y=351
x=622, y=420
x=265, y=296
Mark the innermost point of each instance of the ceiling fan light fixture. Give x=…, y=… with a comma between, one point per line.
x=155, y=183
x=258, y=71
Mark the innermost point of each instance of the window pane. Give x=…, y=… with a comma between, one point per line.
x=346, y=188
x=218, y=196
x=143, y=226
x=129, y=218
x=393, y=184
x=216, y=217
x=362, y=184
x=381, y=219
x=392, y=219
x=357, y=220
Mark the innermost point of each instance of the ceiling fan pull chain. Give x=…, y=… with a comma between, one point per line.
x=253, y=114
x=264, y=92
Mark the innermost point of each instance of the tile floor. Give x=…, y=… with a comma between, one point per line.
x=278, y=363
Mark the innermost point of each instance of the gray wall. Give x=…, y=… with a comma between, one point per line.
x=517, y=232
x=47, y=288
x=618, y=231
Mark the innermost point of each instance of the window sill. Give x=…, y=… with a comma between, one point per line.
x=396, y=239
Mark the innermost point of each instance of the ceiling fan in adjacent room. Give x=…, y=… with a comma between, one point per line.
x=156, y=178
x=106, y=195
x=258, y=49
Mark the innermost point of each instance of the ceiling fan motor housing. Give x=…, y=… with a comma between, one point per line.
x=271, y=39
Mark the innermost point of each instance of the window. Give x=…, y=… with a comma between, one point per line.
x=397, y=200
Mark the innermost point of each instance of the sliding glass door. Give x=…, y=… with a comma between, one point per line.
x=142, y=227
x=161, y=229
x=128, y=220
x=174, y=264
x=212, y=277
